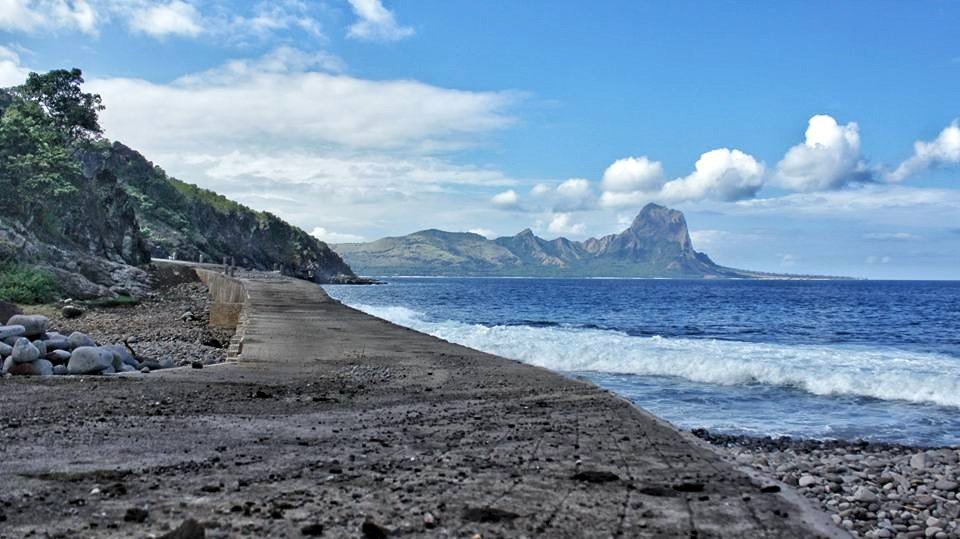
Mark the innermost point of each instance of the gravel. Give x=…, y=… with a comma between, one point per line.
x=871, y=489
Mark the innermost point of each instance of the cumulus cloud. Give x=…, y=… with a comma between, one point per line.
x=562, y=223
x=943, y=150
x=828, y=158
x=33, y=16
x=574, y=194
x=633, y=174
x=176, y=18
x=376, y=23
x=720, y=174
x=291, y=106
x=506, y=199
x=11, y=72
x=330, y=236
x=540, y=190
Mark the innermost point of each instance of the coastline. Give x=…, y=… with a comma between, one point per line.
x=337, y=420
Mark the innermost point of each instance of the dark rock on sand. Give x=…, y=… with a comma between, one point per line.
x=312, y=530
x=595, y=476
x=136, y=514
x=371, y=530
x=487, y=514
x=8, y=309
x=190, y=529
x=72, y=311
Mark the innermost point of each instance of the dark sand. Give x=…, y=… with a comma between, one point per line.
x=336, y=418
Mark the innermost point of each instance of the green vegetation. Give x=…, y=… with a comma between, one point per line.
x=26, y=285
x=119, y=301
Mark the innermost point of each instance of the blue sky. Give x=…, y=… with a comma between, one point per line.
x=807, y=137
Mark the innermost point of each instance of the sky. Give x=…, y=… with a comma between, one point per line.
x=797, y=137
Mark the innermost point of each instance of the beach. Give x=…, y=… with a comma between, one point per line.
x=337, y=423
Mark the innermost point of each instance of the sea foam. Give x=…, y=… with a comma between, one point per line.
x=876, y=372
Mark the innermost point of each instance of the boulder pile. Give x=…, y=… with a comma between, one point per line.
x=29, y=347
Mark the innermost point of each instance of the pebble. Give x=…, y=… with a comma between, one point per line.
x=944, y=484
x=918, y=461
x=5, y=349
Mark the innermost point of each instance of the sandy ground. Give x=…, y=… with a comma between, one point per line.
x=338, y=424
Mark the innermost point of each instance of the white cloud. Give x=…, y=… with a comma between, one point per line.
x=485, y=232
x=506, y=199
x=330, y=236
x=540, y=189
x=11, y=72
x=633, y=174
x=865, y=200
x=892, y=236
x=943, y=150
x=562, y=223
x=574, y=194
x=176, y=18
x=610, y=199
x=290, y=107
x=33, y=16
x=376, y=22
x=720, y=174
x=829, y=158
x=876, y=259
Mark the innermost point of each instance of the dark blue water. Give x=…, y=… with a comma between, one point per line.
x=824, y=359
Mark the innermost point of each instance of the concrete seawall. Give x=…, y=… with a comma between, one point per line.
x=335, y=419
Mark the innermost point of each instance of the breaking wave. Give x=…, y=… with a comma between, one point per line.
x=882, y=373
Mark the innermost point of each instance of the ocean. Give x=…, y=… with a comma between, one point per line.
x=873, y=360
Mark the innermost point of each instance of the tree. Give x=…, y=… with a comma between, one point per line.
x=59, y=94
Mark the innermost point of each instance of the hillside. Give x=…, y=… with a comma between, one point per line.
x=657, y=244
x=90, y=213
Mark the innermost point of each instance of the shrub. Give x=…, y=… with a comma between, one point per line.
x=26, y=285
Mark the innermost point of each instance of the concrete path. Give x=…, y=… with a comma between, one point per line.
x=337, y=419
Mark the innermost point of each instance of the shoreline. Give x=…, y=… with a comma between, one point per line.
x=337, y=421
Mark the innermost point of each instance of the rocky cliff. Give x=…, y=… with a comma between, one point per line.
x=92, y=213
x=657, y=244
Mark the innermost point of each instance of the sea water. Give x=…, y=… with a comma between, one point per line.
x=875, y=360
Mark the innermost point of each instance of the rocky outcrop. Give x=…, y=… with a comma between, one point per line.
x=183, y=221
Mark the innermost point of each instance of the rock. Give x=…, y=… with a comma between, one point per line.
x=41, y=346
x=932, y=531
x=127, y=368
x=7, y=310
x=196, y=364
x=90, y=360
x=72, y=311
x=5, y=349
x=190, y=529
x=7, y=365
x=136, y=514
x=40, y=367
x=58, y=357
x=78, y=339
x=123, y=355
x=12, y=331
x=312, y=530
x=945, y=485
x=57, y=342
x=371, y=530
x=429, y=521
x=167, y=363
x=60, y=370
x=595, y=476
x=807, y=480
x=24, y=351
x=34, y=325
x=187, y=316
x=918, y=461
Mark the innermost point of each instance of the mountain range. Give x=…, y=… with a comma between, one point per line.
x=657, y=244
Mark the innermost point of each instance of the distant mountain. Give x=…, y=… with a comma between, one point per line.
x=657, y=244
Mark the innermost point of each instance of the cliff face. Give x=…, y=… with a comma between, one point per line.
x=182, y=220
x=657, y=244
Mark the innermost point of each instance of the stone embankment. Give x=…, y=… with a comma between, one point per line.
x=872, y=489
